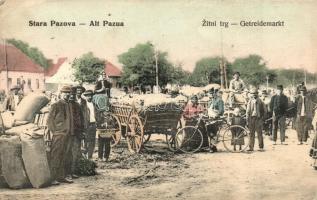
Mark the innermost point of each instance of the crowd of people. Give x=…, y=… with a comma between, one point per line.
x=262, y=113
x=76, y=118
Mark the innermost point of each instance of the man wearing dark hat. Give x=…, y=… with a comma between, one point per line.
x=90, y=124
x=83, y=106
x=59, y=124
x=304, y=117
x=14, y=98
x=278, y=106
x=103, y=86
x=79, y=91
x=73, y=151
x=255, y=114
x=236, y=86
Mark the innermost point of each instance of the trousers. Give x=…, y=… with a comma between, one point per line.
x=76, y=152
x=104, y=147
x=90, y=140
x=278, y=122
x=302, y=128
x=57, y=156
x=256, y=125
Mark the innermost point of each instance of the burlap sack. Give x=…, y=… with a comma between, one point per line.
x=35, y=160
x=12, y=164
x=29, y=106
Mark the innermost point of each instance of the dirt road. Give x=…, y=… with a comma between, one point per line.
x=281, y=172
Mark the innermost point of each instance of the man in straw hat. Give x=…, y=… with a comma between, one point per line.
x=255, y=114
x=304, y=117
x=278, y=107
x=59, y=124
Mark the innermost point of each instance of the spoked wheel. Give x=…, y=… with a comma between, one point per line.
x=236, y=138
x=188, y=139
x=170, y=138
x=114, y=123
x=134, y=134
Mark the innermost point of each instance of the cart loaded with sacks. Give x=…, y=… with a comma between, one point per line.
x=137, y=123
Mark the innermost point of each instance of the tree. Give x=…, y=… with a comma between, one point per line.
x=87, y=68
x=32, y=52
x=207, y=71
x=139, y=62
x=253, y=70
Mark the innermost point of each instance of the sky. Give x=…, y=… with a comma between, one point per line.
x=172, y=26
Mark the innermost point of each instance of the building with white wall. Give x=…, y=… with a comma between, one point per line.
x=16, y=68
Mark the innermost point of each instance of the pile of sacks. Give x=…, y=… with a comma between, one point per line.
x=23, y=158
x=200, y=91
x=147, y=100
x=26, y=110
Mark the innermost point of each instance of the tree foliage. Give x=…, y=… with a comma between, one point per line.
x=207, y=70
x=32, y=52
x=139, y=67
x=87, y=68
x=253, y=70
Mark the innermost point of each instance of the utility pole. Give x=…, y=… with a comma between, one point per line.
x=5, y=64
x=222, y=65
x=267, y=82
x=225, y=74
x=156, y=68
x=305, y=81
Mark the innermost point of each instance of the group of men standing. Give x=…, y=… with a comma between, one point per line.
x=73, y=119
x=257, y=112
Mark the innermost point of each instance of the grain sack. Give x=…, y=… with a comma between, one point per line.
x=35, y=160
x=3, y=183
x=11, y=161
x=239, y=98
x=2, y=128
x=8, y=119
x=29, y=106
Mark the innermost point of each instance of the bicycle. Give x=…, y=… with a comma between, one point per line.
x=190, y=139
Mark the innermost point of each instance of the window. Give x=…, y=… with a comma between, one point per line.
x=29, y=83
x=37, y=84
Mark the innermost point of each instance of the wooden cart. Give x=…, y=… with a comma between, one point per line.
x=138, y=124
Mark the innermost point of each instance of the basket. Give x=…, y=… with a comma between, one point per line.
x=105, y=133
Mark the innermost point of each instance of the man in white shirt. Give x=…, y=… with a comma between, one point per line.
x=90, y=139
x=255, y=114
x=304, y=115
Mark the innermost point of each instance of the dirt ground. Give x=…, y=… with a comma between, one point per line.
x=281, y=172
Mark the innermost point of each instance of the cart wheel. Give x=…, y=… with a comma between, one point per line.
x=115, y=123
x=146, y=138
x=189, y=139
x=170, y=138
x=236, y=138
x=115, y=138
x=134, y=134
